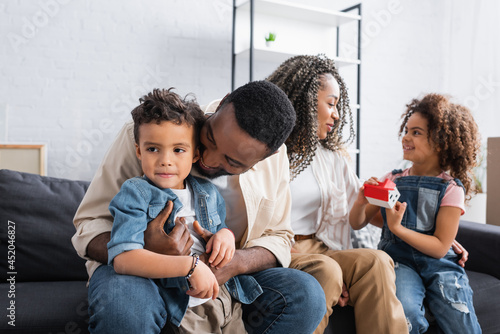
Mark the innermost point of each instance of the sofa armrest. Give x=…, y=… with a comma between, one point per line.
x=482, y=241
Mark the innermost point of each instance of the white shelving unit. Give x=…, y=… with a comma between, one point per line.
x=299, y=29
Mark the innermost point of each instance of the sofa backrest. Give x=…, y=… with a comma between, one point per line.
x=482, y=241
x=36, y=225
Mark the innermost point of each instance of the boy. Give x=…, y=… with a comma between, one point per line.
x=166, y=134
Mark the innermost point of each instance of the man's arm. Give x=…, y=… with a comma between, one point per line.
x=93, y=219
x=97, y=248
x=245, y=261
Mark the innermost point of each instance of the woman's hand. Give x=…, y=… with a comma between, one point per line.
x=344, y=296
x=203, y=282
x=361, y=199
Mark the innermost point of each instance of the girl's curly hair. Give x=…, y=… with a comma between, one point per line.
x=453, y=131
x=301, y=77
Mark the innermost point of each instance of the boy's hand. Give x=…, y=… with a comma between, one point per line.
x=221, y=248
x=395, y=216
x=217, y=244
x=203, y=282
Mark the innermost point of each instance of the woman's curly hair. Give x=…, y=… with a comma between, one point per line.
x=452, y=129
x=301, y=77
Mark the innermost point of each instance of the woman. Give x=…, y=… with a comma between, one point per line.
x=323, y=189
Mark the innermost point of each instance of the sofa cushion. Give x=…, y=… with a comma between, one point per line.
x=482, y=241
x=48, y=307
x=38, y=213
x=486, y=295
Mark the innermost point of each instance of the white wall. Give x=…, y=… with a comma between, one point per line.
x=410, y=48
x=71, y=71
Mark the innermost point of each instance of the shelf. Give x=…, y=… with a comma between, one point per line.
x=299, y=12
x=279, y=57
x=301, y=30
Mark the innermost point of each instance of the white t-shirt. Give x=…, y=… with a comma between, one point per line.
x=187, y=211
x=306, y=202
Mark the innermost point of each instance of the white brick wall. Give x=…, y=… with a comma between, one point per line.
x=72, y=70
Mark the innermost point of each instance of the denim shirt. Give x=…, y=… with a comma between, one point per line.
x=423, y=196
x=140, y=201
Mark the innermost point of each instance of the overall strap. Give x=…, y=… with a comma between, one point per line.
x=459, y=183
x=396, y=171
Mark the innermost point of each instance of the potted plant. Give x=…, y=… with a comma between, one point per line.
x=270, y=38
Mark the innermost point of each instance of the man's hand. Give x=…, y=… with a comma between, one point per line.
x=177, y=242
x=460, y=250
x=344, y=296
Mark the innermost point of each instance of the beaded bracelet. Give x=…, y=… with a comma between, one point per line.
x=196, y=259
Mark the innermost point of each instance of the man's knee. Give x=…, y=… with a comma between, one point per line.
x=308, y=293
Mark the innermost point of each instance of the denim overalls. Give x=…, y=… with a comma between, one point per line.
x=442, y=282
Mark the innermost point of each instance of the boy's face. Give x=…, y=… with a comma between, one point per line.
x=167, y=152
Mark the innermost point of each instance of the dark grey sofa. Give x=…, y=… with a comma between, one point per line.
x=49, y=279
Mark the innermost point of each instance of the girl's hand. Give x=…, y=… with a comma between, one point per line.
x=395, y=216
x=221, y=247
x=203, y=282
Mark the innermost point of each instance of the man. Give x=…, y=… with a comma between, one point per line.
x=241, y=150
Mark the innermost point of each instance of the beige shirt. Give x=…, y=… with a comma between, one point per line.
x=265, y=189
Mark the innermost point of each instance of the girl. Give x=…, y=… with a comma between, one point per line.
x=441, y=140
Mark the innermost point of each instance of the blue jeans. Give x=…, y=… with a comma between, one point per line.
x=446, y=291
x=292, y=302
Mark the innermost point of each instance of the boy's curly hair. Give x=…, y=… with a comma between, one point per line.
x=165, y=105
x=453, y=131
x=301, y=77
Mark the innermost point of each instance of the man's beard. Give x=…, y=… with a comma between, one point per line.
x=202, y=172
